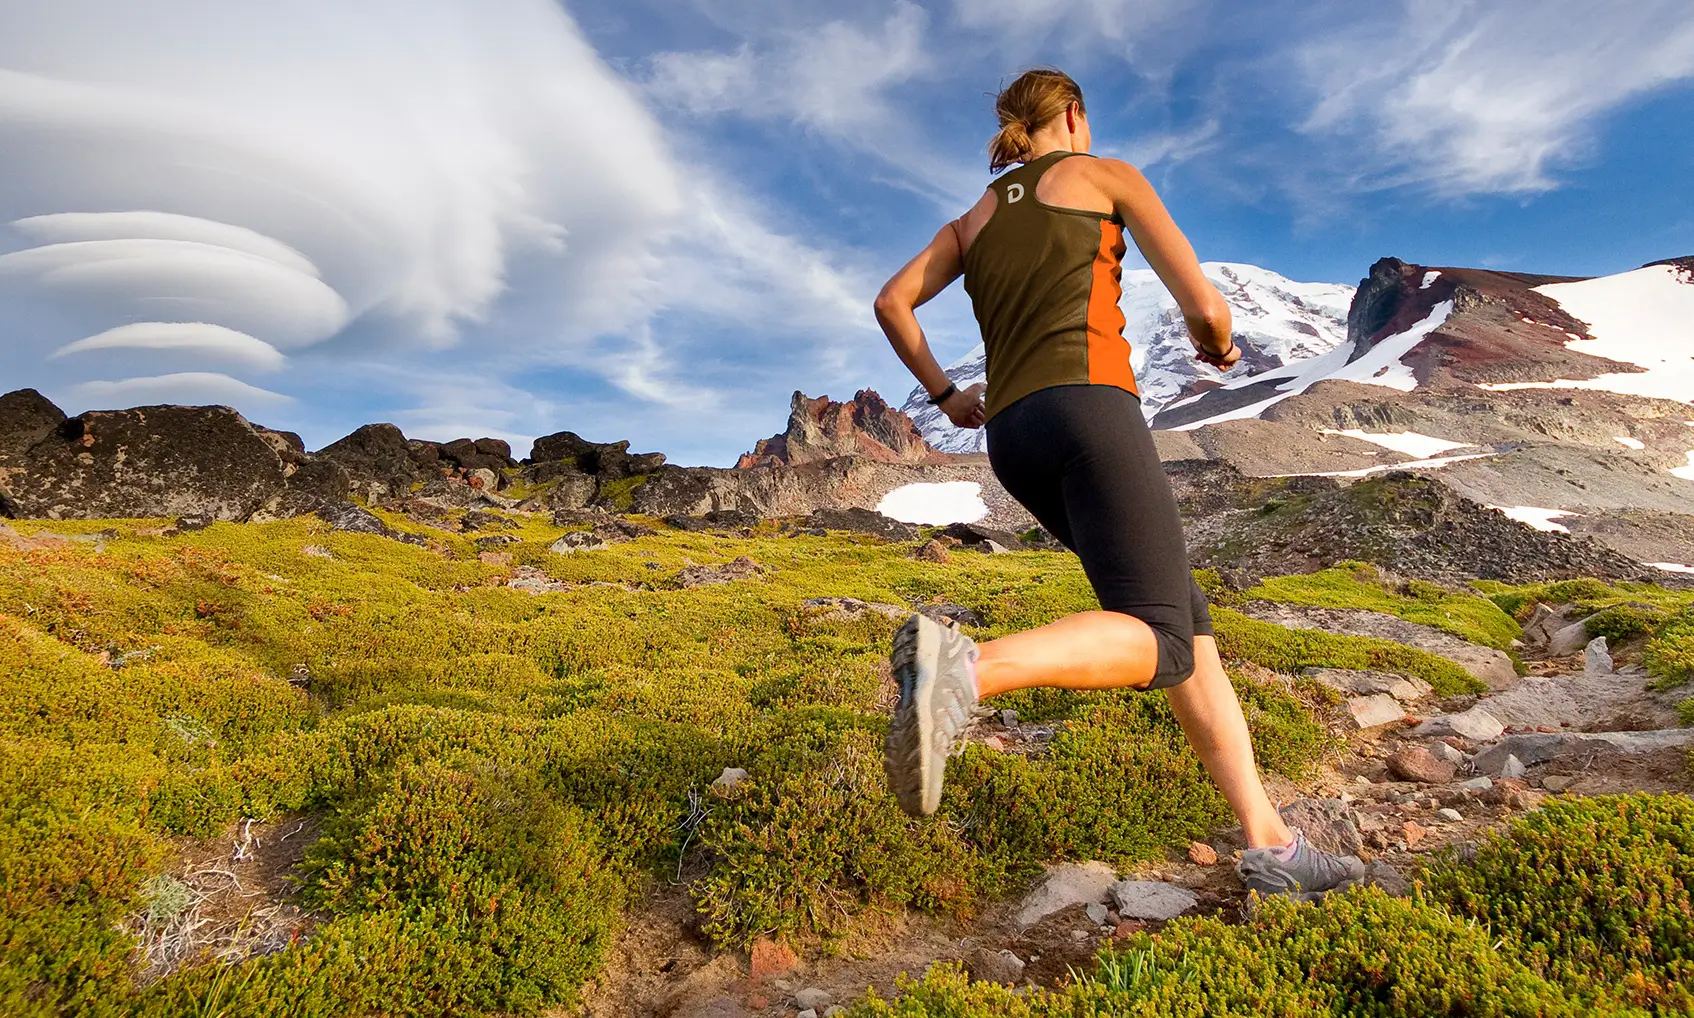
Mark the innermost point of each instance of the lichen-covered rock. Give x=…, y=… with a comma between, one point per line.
x=149, y=461
x=378, y=460
x=568, y=452
x=26, y=417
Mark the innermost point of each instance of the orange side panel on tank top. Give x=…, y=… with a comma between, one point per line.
x=1108, y=350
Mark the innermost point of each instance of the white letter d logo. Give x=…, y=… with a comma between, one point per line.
x=1013, y=193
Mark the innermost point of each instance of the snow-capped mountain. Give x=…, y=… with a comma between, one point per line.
x=1276, y=321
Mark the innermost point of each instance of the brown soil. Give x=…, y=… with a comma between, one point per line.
x=227, y=898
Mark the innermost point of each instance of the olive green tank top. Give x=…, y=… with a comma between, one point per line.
x=1044, y=282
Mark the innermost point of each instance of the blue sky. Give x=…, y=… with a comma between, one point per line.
x=654, y=220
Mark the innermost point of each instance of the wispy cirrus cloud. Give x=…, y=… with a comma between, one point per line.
x=1467, y=97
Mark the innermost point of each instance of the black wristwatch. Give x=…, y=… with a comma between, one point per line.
x=942, y=396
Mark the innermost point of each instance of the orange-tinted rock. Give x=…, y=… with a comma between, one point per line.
x=771, y=960
x=1201, y=853
x=1413, y=832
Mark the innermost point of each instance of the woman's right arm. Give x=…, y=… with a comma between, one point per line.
x=1171, y=256
x=932, y=271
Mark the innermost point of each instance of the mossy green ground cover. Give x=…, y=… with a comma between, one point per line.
x=1583, y=908
x=1663, y=619
x=501, y=773
x=1361, y=585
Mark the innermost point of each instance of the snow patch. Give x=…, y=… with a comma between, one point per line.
x=1409, y=442
x=1537, y=517
x=934, y=504
x=1629, y=443
x=1380, y=365
x=1429, y=277
x=1672, y=567
x=1439, y=461
x=1644, y=317
x=1686, y=472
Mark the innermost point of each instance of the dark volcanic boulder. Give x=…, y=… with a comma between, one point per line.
x=26, y=417
x=972, y=534
x=567, y=452
x=149, y=461
x=862, y=521
x=378, y=460
x=309, y=486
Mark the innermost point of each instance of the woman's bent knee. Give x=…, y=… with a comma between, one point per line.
x=1176, y=659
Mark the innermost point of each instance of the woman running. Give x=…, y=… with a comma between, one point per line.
x=1041, y=254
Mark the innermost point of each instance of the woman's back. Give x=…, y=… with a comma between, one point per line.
x=1044, y=280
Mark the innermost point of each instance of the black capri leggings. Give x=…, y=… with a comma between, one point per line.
x=1081, y=459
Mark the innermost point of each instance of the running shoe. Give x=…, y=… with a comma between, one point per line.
x=935, y=666
x=1304, y=873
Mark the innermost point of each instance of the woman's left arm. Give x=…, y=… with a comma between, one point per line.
x=932, y=271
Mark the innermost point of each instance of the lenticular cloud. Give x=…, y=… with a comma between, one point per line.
x=239, y=183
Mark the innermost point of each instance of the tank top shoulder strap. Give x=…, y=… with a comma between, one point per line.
x=1014, y=186
x=1015, y=190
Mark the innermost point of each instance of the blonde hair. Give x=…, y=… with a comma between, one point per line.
x=1023, y=107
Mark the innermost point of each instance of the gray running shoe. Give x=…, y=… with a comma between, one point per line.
x=1305, y=874
x=934, y=666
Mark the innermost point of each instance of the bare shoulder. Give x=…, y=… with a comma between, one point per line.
x=1114, y=173
x=971, y=223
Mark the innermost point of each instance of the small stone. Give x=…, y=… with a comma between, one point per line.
x=1079, y=935
x=934, y=551
x=1374, y=710
x=1152, y=899
x=1413, y=832
x=1479, y=784
x=1202, y=854
x=1597, y=658
x=771, y=960
x=1009, y=718
x=1558, y=782
x=1360, y=779
x=1445, y=751
x=1388, y=878
x=1065, y=885
x=810, y=1012
x=1568, y=640
x=1512, y=793
x=317, y=551
x=814, y=998
x=1001, y=966
x=1512, y=768
x=1415, y=763
x=575, y=541
x=1475, y=724
x=730, y=777
x=1097, y=912
x=1449, y=814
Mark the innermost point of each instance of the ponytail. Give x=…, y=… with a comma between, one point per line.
x=1024, y=107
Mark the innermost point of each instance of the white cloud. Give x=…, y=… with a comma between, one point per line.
x=835, y=78
x=362, y=179
x=1468, y=97
x=211, y=342
x=832, y=77
x=1075, y=22
x=185, y=387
